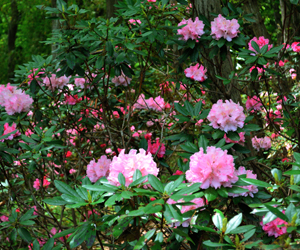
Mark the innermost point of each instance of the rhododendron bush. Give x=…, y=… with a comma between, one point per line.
x=128, y=138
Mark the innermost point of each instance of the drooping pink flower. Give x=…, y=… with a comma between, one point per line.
x=192, y=30
x=121, y=80
x=221, y=27
x=157, y=104
x=96, y=170
x=128, y=163
x=196, y=73
x=8, y=129
x=260, y=70
x=295, y=46
x=253, y=103
x=213, y=169
x=241, y=141
x=252, y=188
x=261, y=143
x=156, y=147
x=272, y=227
x=226, y=116
x=261, y=42
x=151, y=1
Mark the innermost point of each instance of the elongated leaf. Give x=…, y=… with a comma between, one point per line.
x=234, y=223
x=217, y=220
x=64, y=188
x=72, y=199
x=25, y=235
x=49, y=245
x=277, y=212
x=155, y=183
x=256, y=182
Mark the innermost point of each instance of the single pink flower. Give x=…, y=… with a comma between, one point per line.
x=261, y=41
x=295, y=46
x=272, y=227
x=196, y=73
x=221, y=27
x=192, y=30
x=96, y=170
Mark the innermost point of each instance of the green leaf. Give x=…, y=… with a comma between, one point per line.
x=64, y=188
x=183, y=234
x=277, y=212
x=207, y=229
x=237, y=190
x=218, y=134
x=49, y=245
x=233, y=136
x=255, y=182
x=27, y=215
x=290, y=211
x=190, y=147
x=79, y=237
x=218, y=221
x=36, y=245
x=155, y=183
x=72, y=199
x=56, y=201
x=214, y=244
x=154, y=207
x=294, y=1
x=70, y=60
x=203, y=143
x=234, y=223
x=222, y=192
x=25, y=235
x=64, y=233
x=210, y=194
x=7, y=135
x=105, y=188
x=292, y=172
x=27, y=222
x=255, y=46
x=188, y=190
x=109, y=48
x=242, y=229
x=121, y=179
x=179, y=108
x=248, y=235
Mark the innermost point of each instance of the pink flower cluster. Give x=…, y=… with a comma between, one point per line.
x=14, y=100
x=261, y=42
x=128, y=163
x=221, y=27
x=96, y=170
x=196, y=73
x=54, y=82
x=156, y=147
x=252, y=188
x=261, y=143
x=192, y=30
x=295, y=46
x=37, y=184
x=8, y=129
x=253, y=103
x=121, y=80
x=226, y=116
x=272, y=227
x=133, y=21
x=72, y=100
x=213, y=169
x=157, y=104
x=241, y=141
x=31, y=76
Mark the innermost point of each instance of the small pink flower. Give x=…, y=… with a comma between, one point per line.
x=253, y=103
x=272, y=227
x=8, y=129
x=221, y=27
x=192, y=30
x=149, y=123
x=72, y=171
x=241, y=141
x=196, y=73
x=261, y=143
x=156, y=147
x=295, y=46
x=261, y=41
x=121, y=80
x=96, y=170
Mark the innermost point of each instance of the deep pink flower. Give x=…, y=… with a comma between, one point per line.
x=192, y=30
x=261, y=42
x=8, y=129
x=32, y=75
x=96, y=170
x=295, y=46
x=226, y=116
x=272, y=227
x=213, y=169
x=128, y=163
x=72, y=100
x=253, y=103
x=196, y=73
x=37, y=184
x=221, y=27
x=241, y=141
x=3, y=218
x=156, y=147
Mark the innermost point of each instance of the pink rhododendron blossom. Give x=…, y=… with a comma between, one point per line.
x=261, y=42
x=128, y=163
x=213, y=169
x=260, y=70
x=261, y=143
x=33, y=76
x=151, y=1
x=226, y=116
x=272, y=115
x=295, y=46
x=3, y=218
x=157, y=104
x=79, y=82
x=72, y=171
x=156, y=147
x=53, y=82
x=240, y=141
x=198, y=123
x=121, y=80
x=253, y=103
x=149, y=123
x=72, y=100
x=196, y=73
x=192, y=30
x=133, y=21
x=96, y=170
x=37, y=184
x=8, y=129
x=221, y=27
x=281, y=63
x=252, y=188
x=272, y=228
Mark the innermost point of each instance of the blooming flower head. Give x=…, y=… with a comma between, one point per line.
x=157, y=104
x=253, y=103
x=128, y=163
x=133, y=21
x=37, y=184
x=252, y=188
x=272, y=227
x=79, y=82
x=221, y=27
x=54, y=82
x=295, y=46
x=72, y=100
x=96, y=170
x=196, y=73
x=226, y=116
x=18, y=103
x=8, y=129
x=156, y=147
x=261, y=143
x=192, y=30
x=213, y=169
x=240, y=141
x=121, y=80
x=261, y=42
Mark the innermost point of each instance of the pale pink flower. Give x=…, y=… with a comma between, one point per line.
x=18, y=103
x=226, y=116
x=53, y=82
x=252, y=188
x=221, y=27
x=192, y=30
x=121, y=80
x=79, y=82
x=156, y=147
x=261, y=143
x=295, y=46
x=272, y=227
x=128, y=163
x=253, y=103
x=196, y=73
x=149, y=123
x=133, y=21
x=8, y=129
x=3, y=218
x=213, y=169
x=96, y=170
x=157, y=104
x=261, y=41
x=72, y=171
x=240, y=141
